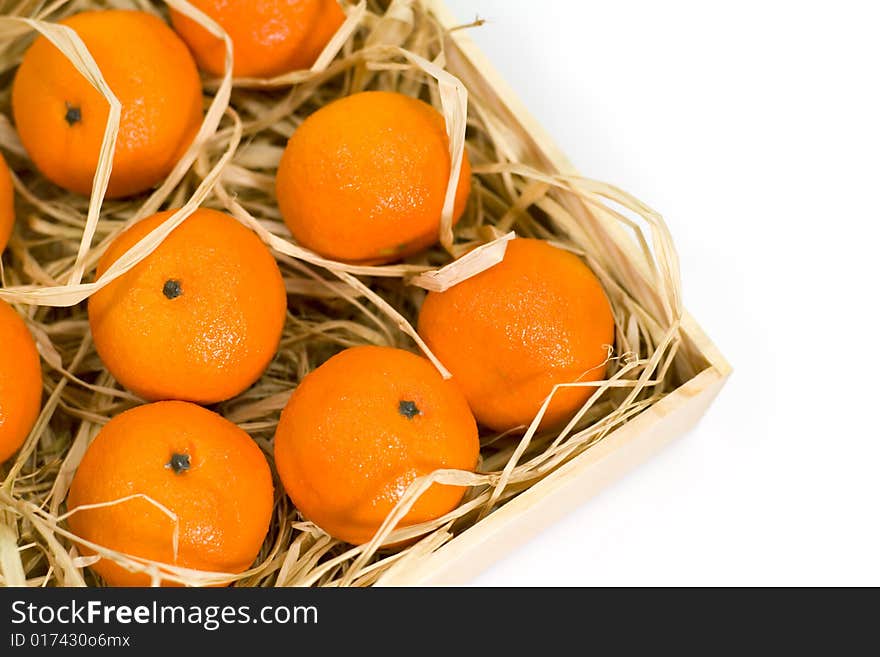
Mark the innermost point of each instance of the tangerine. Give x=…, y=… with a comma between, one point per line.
x=199, y=319
x=21, y=383
x=61, y=118
x=511, y=333
x=269, y=38
x=196, y=464
x=360, y=429
x=7, y=204
x=364, y=178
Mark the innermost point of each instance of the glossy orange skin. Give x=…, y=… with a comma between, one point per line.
x=269, y=38
x=7, y=204
x=346, y=453
x=152, y=74
x=223, y=500
x=213, y=340
x=509, y=334
x=21, y=386
x=363, y=179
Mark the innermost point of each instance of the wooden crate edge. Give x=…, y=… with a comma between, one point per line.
x=523, y=517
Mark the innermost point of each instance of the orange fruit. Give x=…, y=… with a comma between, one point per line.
x=509, y=334
x=196, y=464
x=21, y=383
x=363, y=179
x=199, y=319
x=7, y=205
x=61, y=117
x=361, y=428
x=269, y=38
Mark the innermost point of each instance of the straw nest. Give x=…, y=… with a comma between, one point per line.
x=48, y=272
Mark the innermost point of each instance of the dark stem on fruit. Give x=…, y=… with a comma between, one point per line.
x=179, y=463
x=73, y=115
x=172, y=289
x=408, y=409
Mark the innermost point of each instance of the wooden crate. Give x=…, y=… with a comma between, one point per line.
x=557, y=494
x=523, y=516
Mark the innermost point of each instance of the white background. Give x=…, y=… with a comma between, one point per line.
x=754, y=128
